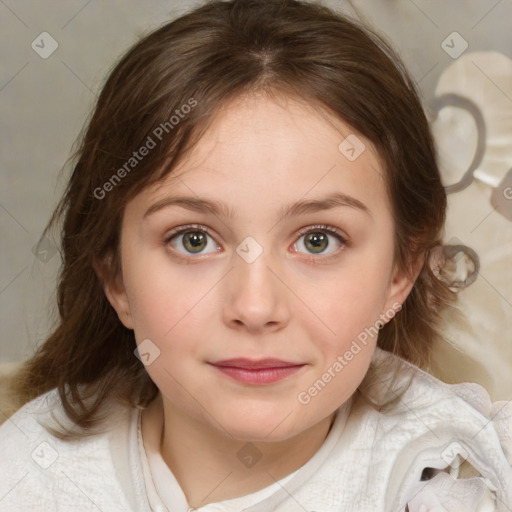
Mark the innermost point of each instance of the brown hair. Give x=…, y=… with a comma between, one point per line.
x=168, y=88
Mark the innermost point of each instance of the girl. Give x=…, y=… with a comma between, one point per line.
x=249, y=292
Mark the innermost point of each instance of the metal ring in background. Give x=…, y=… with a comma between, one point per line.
x=450, y=251
x=454, y=100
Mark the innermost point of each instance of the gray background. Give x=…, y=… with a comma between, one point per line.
x=45, y=102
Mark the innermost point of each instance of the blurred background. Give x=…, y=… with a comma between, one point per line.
x=55, y=56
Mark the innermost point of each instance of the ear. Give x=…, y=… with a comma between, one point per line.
x=402, y=282
x=114, y=289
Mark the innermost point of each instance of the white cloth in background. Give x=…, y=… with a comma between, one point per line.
x=371, y=460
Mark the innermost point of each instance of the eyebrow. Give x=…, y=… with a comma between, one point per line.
x=299, y=208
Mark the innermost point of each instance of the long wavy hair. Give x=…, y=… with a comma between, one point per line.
x=167, y=89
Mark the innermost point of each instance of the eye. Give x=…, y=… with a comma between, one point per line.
x=193, y=238
x=317, y=239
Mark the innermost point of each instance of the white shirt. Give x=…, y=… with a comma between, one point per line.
x=371, y=460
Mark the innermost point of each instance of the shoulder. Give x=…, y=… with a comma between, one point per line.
x=44, y=472
x=449, y=439
x=44, y=417
x=436, y=401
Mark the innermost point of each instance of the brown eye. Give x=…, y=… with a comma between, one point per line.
x=194, y=241
x=190, y=240
x=318, y=239
x=316, y=242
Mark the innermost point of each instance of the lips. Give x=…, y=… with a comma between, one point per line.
x=252, y=364
x=257, y=372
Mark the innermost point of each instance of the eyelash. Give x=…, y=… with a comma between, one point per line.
x=330, y=230
x=323, y=228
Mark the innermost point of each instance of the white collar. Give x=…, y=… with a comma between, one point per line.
x=165, y=494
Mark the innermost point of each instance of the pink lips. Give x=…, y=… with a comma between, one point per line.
x=262, y=371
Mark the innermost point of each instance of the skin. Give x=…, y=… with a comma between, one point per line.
x=290, y=303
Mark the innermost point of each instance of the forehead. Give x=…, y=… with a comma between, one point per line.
x=276, y=150
x=257, y=127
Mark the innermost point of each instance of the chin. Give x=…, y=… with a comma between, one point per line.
x=259, y=428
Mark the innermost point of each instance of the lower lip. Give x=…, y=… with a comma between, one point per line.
x=261, y=376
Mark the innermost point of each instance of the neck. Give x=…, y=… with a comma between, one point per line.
x=211, y=466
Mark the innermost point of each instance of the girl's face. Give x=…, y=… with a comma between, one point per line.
x=280, y=246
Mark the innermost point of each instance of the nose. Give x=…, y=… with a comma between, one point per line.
x=257, y=298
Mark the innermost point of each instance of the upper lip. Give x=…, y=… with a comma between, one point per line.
x=255, y=363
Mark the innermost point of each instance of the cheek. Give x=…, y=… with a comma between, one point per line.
x=358, y=289
x=347, y=308
x=175, y=328
x=160, y=291
x=344, y=339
